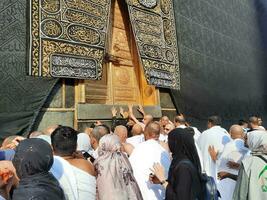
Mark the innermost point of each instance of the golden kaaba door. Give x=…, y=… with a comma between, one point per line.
x=123, y=79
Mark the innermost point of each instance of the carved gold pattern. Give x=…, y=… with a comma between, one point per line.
x=169, y=32
x=136, y=3
x=165, y=6
x=51, y=28
x=83, y=18
x=51, y=6
x=148, y=91
x=149, y=18
x=122, y=75
x=50, y=47
x=152, y=51
x=148, y=28
x=83, y=34
x=154, y=30
x=148, y=3
x=68, y=27
x=86, y=6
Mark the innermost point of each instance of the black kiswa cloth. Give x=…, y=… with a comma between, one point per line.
x=33, y=160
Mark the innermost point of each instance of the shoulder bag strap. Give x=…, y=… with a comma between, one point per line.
x=261, y=157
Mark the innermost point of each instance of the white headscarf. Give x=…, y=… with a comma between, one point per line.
x=83, y=142
x=257, y=139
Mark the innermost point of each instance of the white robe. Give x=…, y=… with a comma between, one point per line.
x=217, y=137
x=76, y=184
x=142, y=160
x=163, y=138
x=233, y=151
x=135, y=140
x=197, y=134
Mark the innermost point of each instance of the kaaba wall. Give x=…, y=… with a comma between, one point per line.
x=21, y=96
x=222, y=60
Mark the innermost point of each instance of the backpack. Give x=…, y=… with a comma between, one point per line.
x=208, y=185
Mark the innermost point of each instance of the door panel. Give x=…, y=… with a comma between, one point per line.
x=123, y=81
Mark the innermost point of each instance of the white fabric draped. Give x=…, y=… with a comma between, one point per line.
x=142, y=160
x=163, y=138
x=76, y=184
x=217, y=137
x=226, y=188
x=135, y=140
x=233, y=151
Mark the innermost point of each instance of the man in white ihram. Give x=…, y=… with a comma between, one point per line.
x=214, y=138
x=142, y=159
x=233, y=153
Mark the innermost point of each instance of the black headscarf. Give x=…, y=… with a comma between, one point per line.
x=33, y=160
x=182, y=146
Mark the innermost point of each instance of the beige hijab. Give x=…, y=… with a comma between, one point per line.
x=115, y=180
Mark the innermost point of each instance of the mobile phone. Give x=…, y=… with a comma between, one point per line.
x=86, y=155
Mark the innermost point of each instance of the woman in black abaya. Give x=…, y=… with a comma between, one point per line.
x=183, y=181
x=32, y=161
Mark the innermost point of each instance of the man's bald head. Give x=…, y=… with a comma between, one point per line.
x=121, y=132
x=236, y=132
x=152, y=131
x=137, y=129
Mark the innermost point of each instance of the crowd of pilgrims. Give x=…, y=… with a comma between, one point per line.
x=135, y=160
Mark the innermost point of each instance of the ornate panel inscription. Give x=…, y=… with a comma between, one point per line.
x=154, y=29
x=68, y=37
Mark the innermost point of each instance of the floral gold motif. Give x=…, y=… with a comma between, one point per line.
x=71, y=30
x=155, y=34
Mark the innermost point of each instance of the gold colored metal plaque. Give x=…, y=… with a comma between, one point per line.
x=155, y=34
x=68, y=38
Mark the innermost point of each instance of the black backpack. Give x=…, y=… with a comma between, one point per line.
x=208, y=185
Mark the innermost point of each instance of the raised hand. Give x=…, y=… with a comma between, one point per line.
x=114, y=111
x=130, y=107
x=98, y=123
x=213, y=153
x=141, y=109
